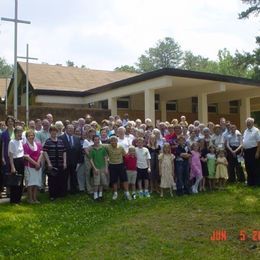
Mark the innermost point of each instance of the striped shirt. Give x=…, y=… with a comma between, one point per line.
x=55, y=150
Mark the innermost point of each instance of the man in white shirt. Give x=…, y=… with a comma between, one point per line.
x=234, y=149
x=251, y=145
x=122, y=139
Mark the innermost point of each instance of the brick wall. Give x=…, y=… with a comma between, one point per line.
x=58, y=113
x=73, y=113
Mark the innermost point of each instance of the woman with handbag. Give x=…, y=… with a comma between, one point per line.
x=33, y=171
x=16, y=157
x=55, y=156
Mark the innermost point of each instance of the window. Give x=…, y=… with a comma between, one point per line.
x=194, y=100
x=194, y=104
x=123, y=102
x=171, y=105
x=234, y=106
x=157, y=102
x=213, y=108
x=104, y=104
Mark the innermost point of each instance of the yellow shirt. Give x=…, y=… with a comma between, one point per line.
x=115, y=155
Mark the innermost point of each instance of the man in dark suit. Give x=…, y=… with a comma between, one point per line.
x=73, y=149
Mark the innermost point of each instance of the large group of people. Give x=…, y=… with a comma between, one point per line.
x=116, y=154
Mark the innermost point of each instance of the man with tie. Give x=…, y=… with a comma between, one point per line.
x=73, y=149
x=251, y=146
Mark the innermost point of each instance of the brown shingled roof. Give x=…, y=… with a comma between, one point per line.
x=61, y=78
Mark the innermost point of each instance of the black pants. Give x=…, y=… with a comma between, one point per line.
x=16, y=192
x=252, y=167
x=72, y=176
x=235, y=170
x=57, y=184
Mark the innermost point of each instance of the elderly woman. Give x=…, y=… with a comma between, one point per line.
x=138, y=123
x=159, y=139
x=55, y=156
x=16, y=154
x=33, y=172
x=59, y=125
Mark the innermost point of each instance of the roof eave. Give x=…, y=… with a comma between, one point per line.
x=176, y=73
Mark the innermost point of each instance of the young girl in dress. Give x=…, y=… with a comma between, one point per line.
x=221, y=170
x=211, y=162
x=195, y=167
x=154, y=150
x=166, y=169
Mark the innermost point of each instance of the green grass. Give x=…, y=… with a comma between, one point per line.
x=169, y=228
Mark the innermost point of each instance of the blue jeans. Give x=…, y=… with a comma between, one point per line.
x=182, y=177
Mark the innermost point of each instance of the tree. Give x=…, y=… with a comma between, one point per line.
x=126, y=68
x=5, y=69
x=232, y=65
x=198, y=63
x=227, y=64
x=166, y=54
x=252, y=59
x=70, y=63
x=253, y=9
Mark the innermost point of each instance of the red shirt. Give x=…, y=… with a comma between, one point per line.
x=130, y=162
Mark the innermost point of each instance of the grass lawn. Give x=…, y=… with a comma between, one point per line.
x=170, y=228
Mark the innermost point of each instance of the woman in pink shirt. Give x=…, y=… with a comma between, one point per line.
x=33, y=172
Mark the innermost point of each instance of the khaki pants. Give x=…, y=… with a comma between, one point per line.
x=88, y=178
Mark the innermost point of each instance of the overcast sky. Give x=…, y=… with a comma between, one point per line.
x=104, y=34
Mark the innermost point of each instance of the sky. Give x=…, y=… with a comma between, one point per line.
x=104, y=34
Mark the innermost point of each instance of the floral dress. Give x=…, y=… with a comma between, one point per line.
x=221, y=170
x=167, y=180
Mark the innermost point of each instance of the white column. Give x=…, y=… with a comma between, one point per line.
x=203, y=108
x=163, y=110
x=245, y=111
x=149, y=110
x=112, y=105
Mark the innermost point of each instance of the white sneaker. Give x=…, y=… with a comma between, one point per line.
x=128, y=196
x=194, y=190
x=147, y=194
x=114, y=196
